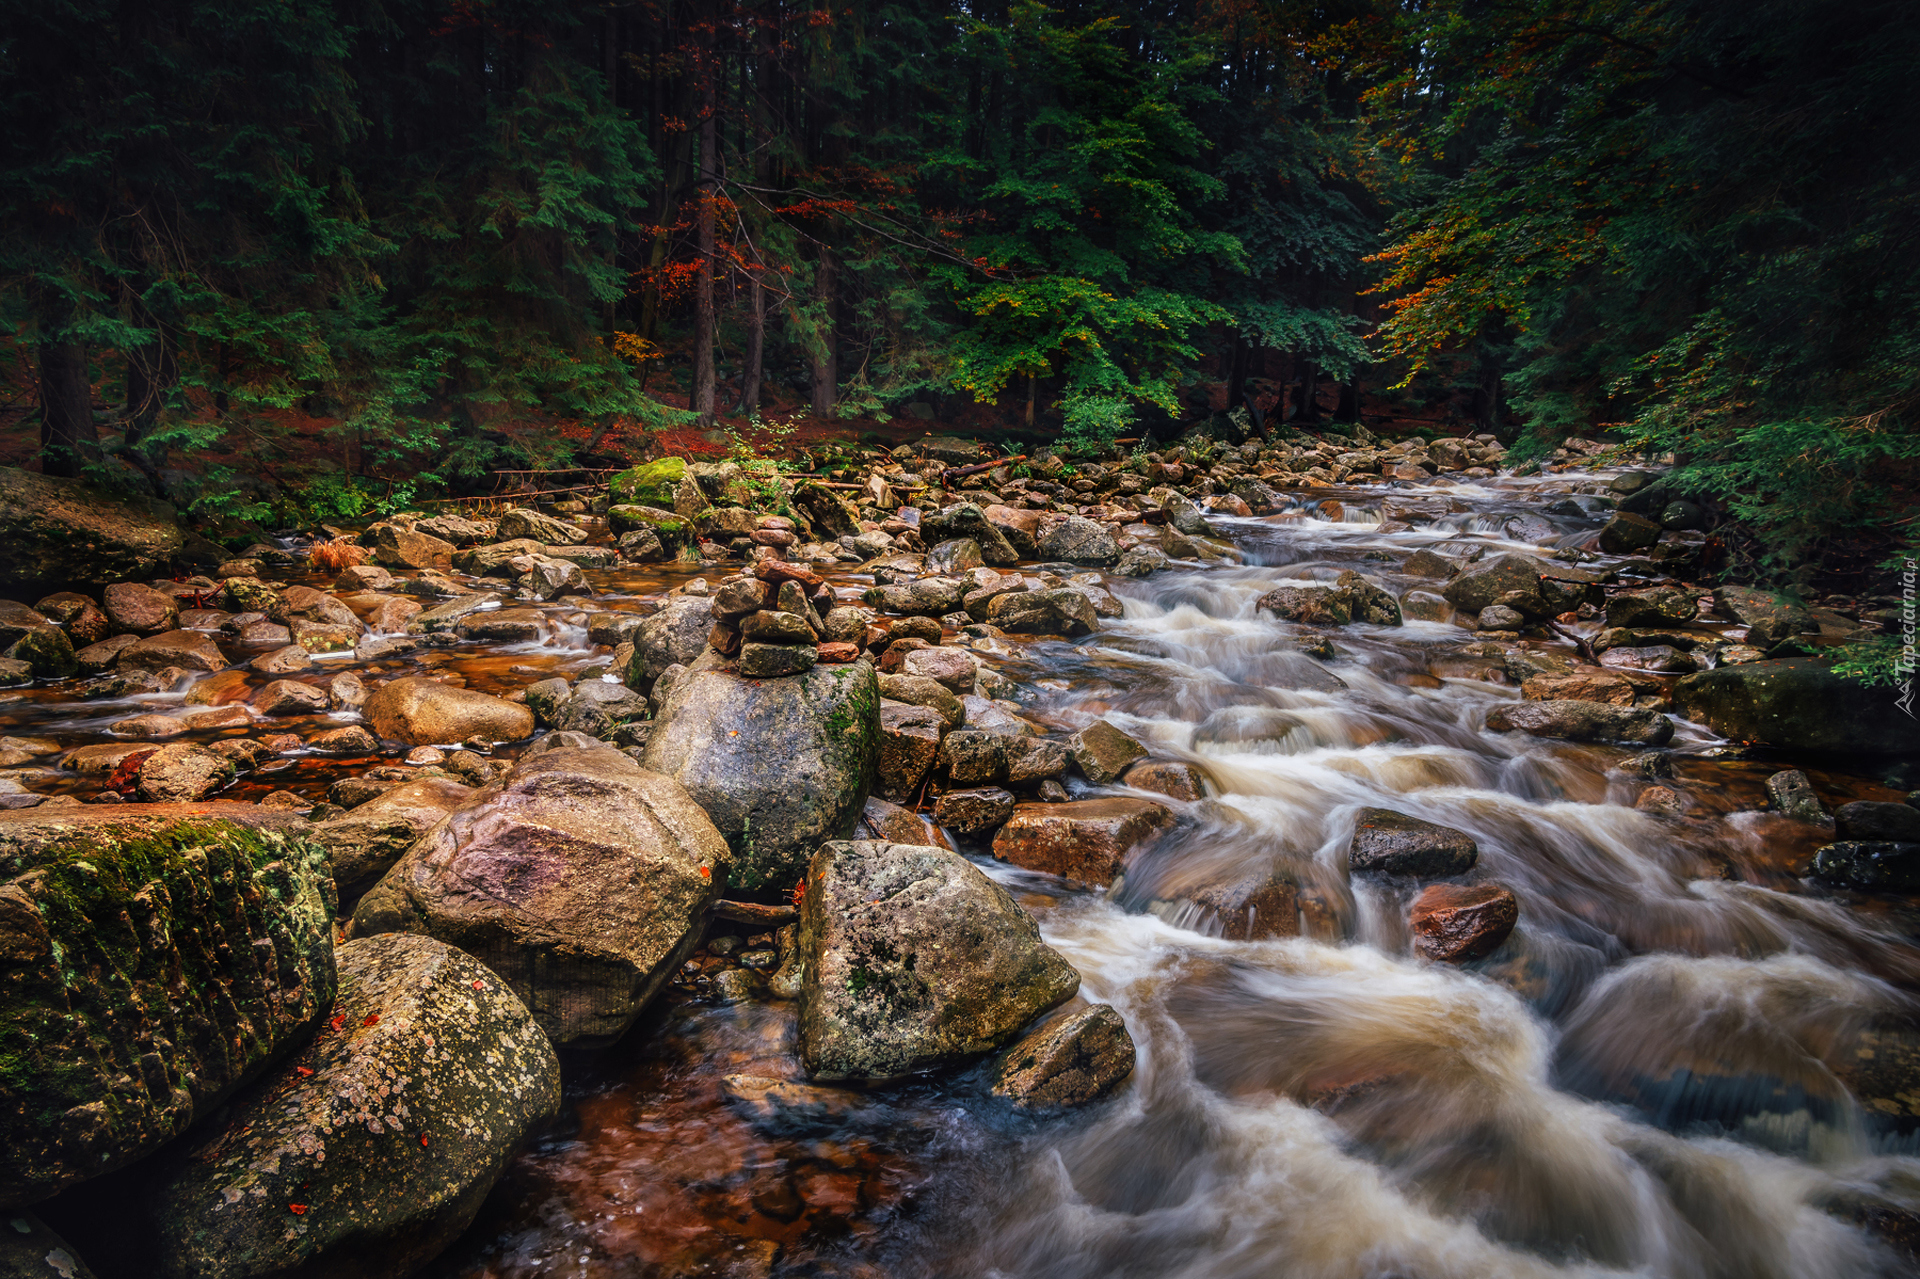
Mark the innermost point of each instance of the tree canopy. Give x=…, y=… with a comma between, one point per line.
x=1687, y=223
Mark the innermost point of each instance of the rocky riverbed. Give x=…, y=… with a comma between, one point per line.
x=1191, y=863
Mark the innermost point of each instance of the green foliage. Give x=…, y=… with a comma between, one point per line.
x=1881, y=662
x=346, y=499
x=1691, y=221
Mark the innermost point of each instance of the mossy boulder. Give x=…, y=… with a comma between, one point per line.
x=652, y=484
x=370, y=1151
x=1798, y=704
x=60, y=531
x=914, y=960
x=778, y=764
x=668, y=527
x=149, y=966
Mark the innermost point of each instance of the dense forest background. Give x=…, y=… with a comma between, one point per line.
x=380, y=243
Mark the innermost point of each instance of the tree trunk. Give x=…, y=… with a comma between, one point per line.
x=68, y=436
x=1306, y=378
x=152, y=372
x=756, y=344
x=1349, y=410
x=826, y=358
x=1237, y=363
x=703, y=377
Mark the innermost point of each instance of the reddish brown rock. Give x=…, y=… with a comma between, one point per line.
x=909, y=743
x=1579, y=686
x=1457, y=922
x=188, y=650
x=139, y=610
x=1253, y=909
x=219, y=689
x=1085, y=841
x=1173, y=778
x=839, y=651
x=778, y=571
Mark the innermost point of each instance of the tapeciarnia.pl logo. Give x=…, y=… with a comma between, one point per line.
x=1905, y=700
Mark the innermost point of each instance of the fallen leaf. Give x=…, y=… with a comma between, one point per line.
x=298, y=1210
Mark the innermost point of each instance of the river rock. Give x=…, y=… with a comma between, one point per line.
x=1656, y=606
x=289, y=697
x=772, y=661
x=967, y=520
x=675, y=636
x=1102, y=752
x=1769, y=618
x=78, y=616
x=363, y=844
x=974, y=812
x=1873, y=820
x=183, y=772
x=373, y=1149
x=1389, y=843
x=187, y=650
x=913, y=959
x=1077, y=540
x=1792, y=793
x=521, y=523
x=1085, y=841
x=59, y=531
x=779, y=764
x=918, y=690
x=282, y=661
x=1797, y=704
x=397, y=547
x=1582, y=722
x=1884, y=865
x=909, y=743
x=955, y=668
x=1583, y=685
x=155, y=959
x=581, y=878
x=1049, y=612
x=599, y=708
x=424, y=712
x=970, y=757
x=652, y=483
x=1453, y=923
x=1489, y=581
x=1073, y=1060
x=139, y=610
x=1176, y=779
x=1034, y=759
x=895, y=824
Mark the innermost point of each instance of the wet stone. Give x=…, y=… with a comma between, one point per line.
x=1884, y=865
x=1389, y=843
x=1453, y=923
x=974, y=812
x=1792, y=793
x=1102, y=752
x=1068, y=1062
x=1085, y=841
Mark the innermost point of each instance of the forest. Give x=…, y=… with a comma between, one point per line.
x=272, y=258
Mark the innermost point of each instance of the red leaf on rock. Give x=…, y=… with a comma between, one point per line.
x=371, y=1019
x=298, y=1210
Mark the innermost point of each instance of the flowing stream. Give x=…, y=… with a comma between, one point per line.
x=1686, y=1061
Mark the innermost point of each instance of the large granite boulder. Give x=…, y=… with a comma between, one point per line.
x=364, y=843
x=581, y=878
x=779, y=764
x=152, y=959
x=368, y=1153
x=913, y=959
x=60, y=531
x=1798, y=705
x=425, y=712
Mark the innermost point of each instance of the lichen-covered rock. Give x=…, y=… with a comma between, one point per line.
x=369, y=1152
x=909, y=743
x=913, y=959
x=779, y=765
x=60, y=531
x=1077, y=539
x=425, y=712
x=1769, y=618
x=581, y=878
x=674, y=636
x=1068, y=1062
x=1103, y=752
x=152, y=959
x=1889, y=865
x=30, y=1249
x=183, y=772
